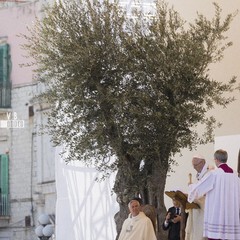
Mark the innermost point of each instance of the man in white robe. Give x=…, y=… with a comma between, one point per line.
x=137, y=226
x=194, y=226
x=222, y=203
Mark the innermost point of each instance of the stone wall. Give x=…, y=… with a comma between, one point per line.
x=31, y=166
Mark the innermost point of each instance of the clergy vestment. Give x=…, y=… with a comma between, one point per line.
x=225, y=168
x=137, y=228
x=222, y=204
x=194, y=226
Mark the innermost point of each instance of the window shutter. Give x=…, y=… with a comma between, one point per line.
x=4, y=63
x=5, y=84
x=4, y=174
x=4, y=195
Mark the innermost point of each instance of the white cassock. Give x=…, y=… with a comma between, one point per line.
x=139, y=227
x=222, y=204
x=194, y=226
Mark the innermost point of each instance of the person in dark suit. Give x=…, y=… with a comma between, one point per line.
x=172, y=222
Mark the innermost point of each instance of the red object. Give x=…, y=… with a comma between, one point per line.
x=238, y=167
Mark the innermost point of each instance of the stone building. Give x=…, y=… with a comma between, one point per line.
x=27, y=174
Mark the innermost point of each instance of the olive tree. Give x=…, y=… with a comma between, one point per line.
x=128, y=92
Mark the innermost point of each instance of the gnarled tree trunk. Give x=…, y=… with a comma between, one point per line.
x=152, y=193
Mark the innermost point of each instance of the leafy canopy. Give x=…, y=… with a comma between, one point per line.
x=128, y=86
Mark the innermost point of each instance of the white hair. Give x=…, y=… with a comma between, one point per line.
x=133, y=201
x=199, y=156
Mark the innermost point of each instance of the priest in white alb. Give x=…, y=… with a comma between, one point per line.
x=194, y=226
x=222, y=203
x=137, y=226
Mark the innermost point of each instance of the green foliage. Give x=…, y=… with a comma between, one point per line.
x=130, y=87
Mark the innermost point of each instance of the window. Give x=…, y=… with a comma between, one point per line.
x=5, y=85
x=4, y=188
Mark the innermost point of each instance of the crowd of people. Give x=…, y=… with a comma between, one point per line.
x=217, y=193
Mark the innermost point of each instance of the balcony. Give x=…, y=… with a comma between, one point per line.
x=4, y=205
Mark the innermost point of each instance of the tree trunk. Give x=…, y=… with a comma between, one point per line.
x=125, y=189
x=156, y=187
x=152, y=193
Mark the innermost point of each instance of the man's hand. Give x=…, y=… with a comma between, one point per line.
x=176, y=219
x=168, y=216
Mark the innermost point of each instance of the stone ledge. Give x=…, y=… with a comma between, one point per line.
x=4, y=221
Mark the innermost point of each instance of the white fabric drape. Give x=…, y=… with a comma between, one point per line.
x=85, y=208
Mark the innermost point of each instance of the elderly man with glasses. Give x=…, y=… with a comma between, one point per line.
x=194, y=226
x=222, y=204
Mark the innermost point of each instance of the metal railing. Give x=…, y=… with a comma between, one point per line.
x=4, y=205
